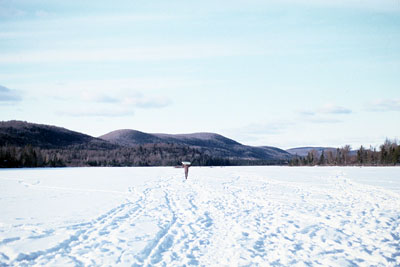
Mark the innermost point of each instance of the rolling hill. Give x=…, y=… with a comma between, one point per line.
x=20, y=133
x=44, y=145
x=209, y=143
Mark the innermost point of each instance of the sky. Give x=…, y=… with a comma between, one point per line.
x=285, y=73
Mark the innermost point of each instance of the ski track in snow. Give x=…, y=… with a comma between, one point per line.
x=240, y=219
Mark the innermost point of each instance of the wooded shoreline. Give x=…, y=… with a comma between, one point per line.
x=171, y=155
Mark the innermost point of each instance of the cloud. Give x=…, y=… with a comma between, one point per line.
x=11, y=13
x=326, y=109
x=256, y=133
x=95, y=97
x=148, y=102
x=332, y=109
x=8, y=95
x=307, y=112
x=323, y=120
x=42, y=13
x=384, y=105
x=98, y=112
x=133, y=100
x=262, y=132
x=155, y=53
x=383, y=5
x=269, y=128
x=108, y=99
x=105, y=105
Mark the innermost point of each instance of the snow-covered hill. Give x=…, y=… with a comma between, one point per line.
x=220, y=216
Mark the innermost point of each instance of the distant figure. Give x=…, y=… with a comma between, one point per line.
x=186, y=165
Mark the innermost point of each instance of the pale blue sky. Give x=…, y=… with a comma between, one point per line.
x=281, y=73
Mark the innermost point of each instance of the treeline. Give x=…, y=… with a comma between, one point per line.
x=388, y=154
x=173, y=154
x=28, y=156
x=78, y=156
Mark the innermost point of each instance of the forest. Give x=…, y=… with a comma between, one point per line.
x=141, y=155
x=388, y=154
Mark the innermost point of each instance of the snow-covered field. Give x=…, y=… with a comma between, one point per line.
x=229, y=216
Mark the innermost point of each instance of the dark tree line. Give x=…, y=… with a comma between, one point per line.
x=141, y=155
x=28, y=156
x=388, y=154
x=172, y=154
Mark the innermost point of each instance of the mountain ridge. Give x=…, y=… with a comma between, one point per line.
x=203, y=146
x=20, y=133
x=211, y=143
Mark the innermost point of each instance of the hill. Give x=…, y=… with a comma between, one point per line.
x=24, y=144
x=20, y=133
x=209, y=143
x=130, y=138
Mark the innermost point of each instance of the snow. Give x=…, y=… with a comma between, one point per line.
x=231, y=216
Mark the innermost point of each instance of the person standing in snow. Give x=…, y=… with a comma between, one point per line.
x=186, y=165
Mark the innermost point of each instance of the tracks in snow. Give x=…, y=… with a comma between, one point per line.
x=235, y=220
x=85, y=240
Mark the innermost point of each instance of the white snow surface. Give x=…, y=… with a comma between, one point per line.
x=231, y=216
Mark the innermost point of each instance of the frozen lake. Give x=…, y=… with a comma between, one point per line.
x=232, y=216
